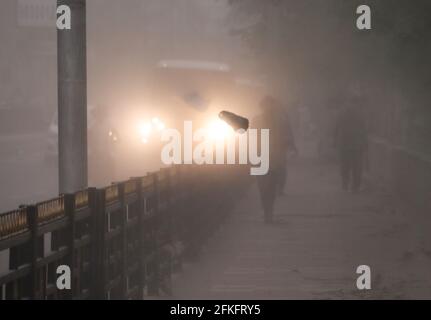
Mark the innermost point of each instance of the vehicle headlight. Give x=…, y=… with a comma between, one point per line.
x=219, y=130
x=159, y=125
x=113, y=135
x=146, y=128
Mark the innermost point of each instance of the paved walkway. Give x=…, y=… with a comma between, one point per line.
x=320, y=236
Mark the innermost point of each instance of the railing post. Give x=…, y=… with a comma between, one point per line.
x=141, y=211
x=99, y=226
x=154, y=285
x=168, y=220
x=32, y=222
x=69, y=209
x=124, y=242
x=175, y=218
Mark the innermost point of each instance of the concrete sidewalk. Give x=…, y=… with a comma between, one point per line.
x=321, y=235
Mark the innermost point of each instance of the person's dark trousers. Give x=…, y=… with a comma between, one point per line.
x=351, y=168
x=281, y=178
x=267, y=185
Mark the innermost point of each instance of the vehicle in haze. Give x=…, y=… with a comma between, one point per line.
x=198, y=91
x=174, y=91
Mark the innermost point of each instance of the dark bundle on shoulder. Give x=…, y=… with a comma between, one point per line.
x=235, y=121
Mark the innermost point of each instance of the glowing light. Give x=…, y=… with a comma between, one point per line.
x=219, y=130
x=159, y=125
x=144, y=129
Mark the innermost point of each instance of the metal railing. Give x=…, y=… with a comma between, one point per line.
x=120, y=242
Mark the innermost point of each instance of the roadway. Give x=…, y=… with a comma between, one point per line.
x=320, y=236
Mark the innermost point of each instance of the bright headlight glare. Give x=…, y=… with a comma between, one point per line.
x=219, y=130
x=144, y=129
x=159, y=125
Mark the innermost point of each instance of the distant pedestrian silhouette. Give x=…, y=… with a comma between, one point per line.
x=351, y=143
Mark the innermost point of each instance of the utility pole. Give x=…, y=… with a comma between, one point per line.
x=72, y=100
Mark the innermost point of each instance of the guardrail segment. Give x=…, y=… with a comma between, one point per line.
x=121, y=242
